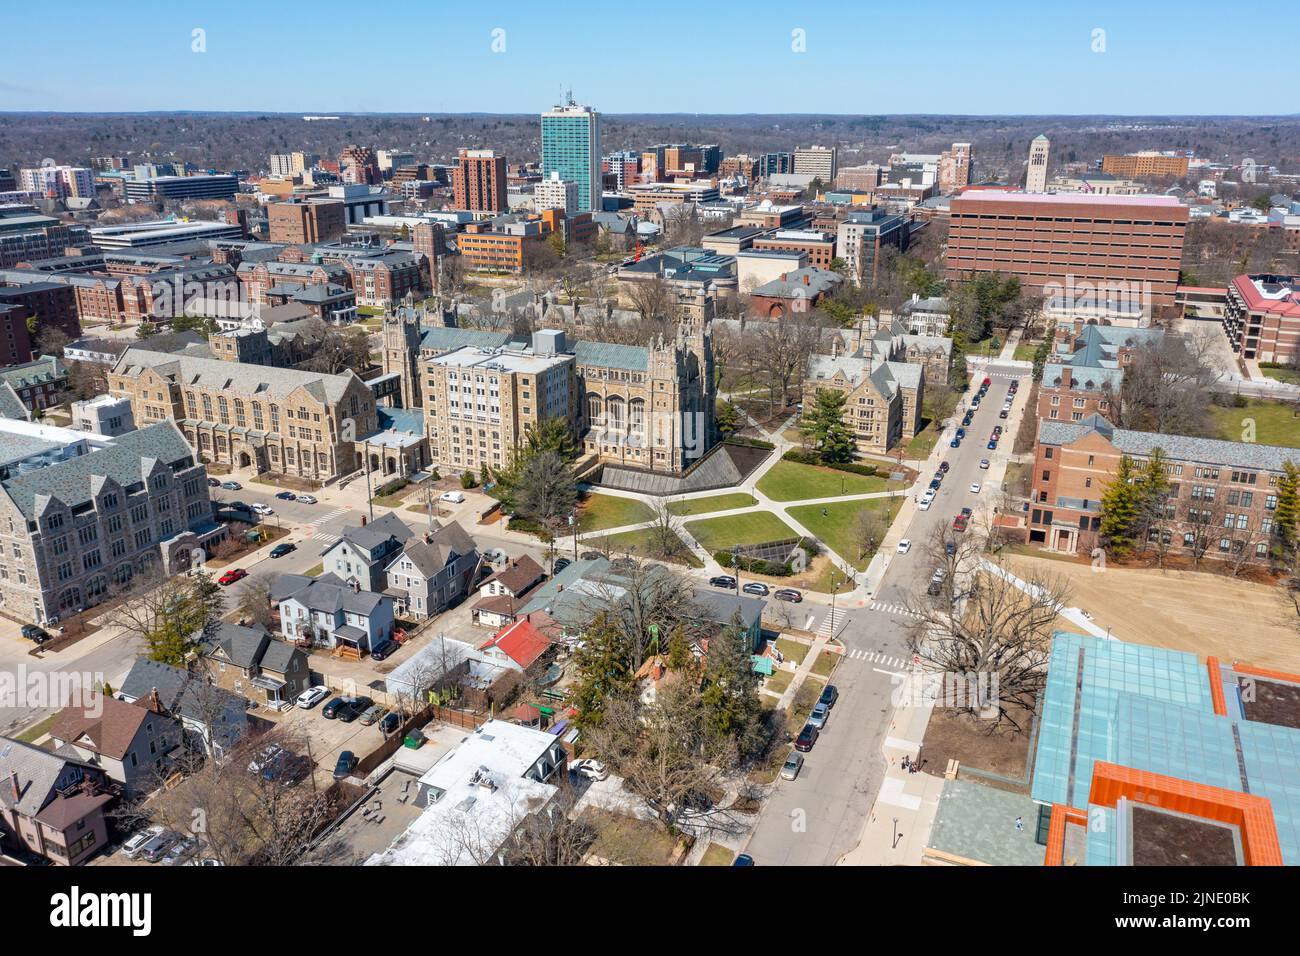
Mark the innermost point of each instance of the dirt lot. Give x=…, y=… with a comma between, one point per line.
x=1002, y=748
x=1185, y=610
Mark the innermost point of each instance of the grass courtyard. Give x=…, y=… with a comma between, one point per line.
x=791, y=481
x=836, y=524
x=757, y=527
x=599, y=512
x=644, y=545
x=1289, y=375
x=1274, y=423
x=711, y=503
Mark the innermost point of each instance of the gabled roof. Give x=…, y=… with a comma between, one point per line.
x=109, y=733
x=241, y=646
x=180, y=692
x=11, y=406
x=327, y=593
x=38, y=770
x=521, y=642
x=237, y=378
x=521, y=575
x=432, y=555
x=370, y=536
x=1210, y=451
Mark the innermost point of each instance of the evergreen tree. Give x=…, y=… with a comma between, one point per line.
x=1287, y=512
x=1120, y=509
x=824, y=425
x=728, y=418
x=604, y=670
x=732, y=708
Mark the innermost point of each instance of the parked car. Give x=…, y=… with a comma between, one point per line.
x=1003, y=413
x=231, y=576
x=590, y=768
x=967, y=512
x=306, y=499
x=934, y=484
x=181, y=851
x=955, y=443
x=993, y=444
x=743, y=860
x=926, y=500
x=591, y=555
x=287, y=496
x=986, y=383
x=807, y=737
x=157, y=848
x=943, y=467
x=383, y=650
x=904, y=546
x=830, y=694
x=722, y=581
x=455, y=497
x=344, y=766
x=819, y=714
x=959, y=523
x=391, y=721
x=950, y=547
x=560, y=565
x=213, y=483
x=280, y=550
x=312, y=696
x=788, y=594
x=34, y=632
x=974, y=487
x=356, y=706
x=261, y=509
x=793, y=764
x=495, y=556
x=997, y=431
x=756, y=587
x=231, y=486
x=131, y=848
x=984, y=463
x=372, y=714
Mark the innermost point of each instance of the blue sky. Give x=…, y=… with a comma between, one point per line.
x=1192, y=57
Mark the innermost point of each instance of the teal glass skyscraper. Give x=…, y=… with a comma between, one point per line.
x=571, y=147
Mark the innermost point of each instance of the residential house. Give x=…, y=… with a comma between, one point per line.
x=52, y=805
x=519, y=647
x=131, y=744
x=251, y=663
x=213, y=719
x=329, y=611
x=433, y=571
x=503, y=593
x=363, y=553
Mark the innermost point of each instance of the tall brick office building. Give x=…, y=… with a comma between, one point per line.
x=478, y=183
x=1091, y=243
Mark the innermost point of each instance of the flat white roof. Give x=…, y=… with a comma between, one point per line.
x=468, y=356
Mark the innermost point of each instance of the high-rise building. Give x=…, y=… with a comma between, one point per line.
x=1036, y=175
x=59, y=182
x=770, y=164
x=358, y=166
x=817, y=161
x=311, y=221
x=1146, y=163
x=556, y=193
x=391, y=160
x=954, y=168
x=478, y=183
x=571, y=147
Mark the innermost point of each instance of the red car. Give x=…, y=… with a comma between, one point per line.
x=987, y=382
x=231, y=576
x=959, y=523
x=807, y=737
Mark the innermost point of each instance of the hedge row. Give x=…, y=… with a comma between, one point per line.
x=754, y=565
x=811, y=458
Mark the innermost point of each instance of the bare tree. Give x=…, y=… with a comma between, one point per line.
x=985, y=627
x=1165, y=387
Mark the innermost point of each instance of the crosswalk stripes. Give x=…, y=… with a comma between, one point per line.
x=875, y=657
x=832, y=624
x=899, y=610
x=324, y=538
x=328, y=516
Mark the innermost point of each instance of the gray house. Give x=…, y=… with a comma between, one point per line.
x=213, y=718
x=251, y=663
x=432, y=572
x=362, y=553
x=329, y=611
x=131, y=744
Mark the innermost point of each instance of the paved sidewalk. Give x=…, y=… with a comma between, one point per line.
x=898, y=827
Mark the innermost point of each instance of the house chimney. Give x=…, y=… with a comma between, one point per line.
x=155, y=702
x=13, y=782
x=807, y=280
x=559, y=589
x=363, y=521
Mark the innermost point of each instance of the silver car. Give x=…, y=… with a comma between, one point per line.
x=818, y=716
x=793, y=764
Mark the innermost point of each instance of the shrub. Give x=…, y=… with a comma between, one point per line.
x=811, y=458
x=433, y=474
x=392, y=487
x=467, y=480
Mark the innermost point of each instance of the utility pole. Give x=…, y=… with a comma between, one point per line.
x=370, y=495
x=428, y=502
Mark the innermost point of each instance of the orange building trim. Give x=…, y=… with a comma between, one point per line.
x=1252, y=815
x=1266, y=673
x=1062, y=816
x=1216, y=686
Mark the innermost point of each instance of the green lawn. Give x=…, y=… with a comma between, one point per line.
x=793, y=651
x=1025, y=352
x=37, y=730
x=599, y=512
x=756, y=527
x=717, y=855
x=701, y=506
x=923, y=443
x=1288, y=375
x=825, y=663
x=778, y=682
x=791, y=481
x=837, y=526
x=1274, y=423
x=625, y=541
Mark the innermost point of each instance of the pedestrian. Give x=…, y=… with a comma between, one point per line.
x=907, y=763
x=1020, y=823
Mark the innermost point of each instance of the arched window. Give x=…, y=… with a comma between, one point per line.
x=636, y=415
x=615, y=413
x=595, y=411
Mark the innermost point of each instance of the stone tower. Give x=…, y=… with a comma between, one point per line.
x=401, y=330
x=1036, y=175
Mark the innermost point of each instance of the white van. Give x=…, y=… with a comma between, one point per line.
x=455, y=497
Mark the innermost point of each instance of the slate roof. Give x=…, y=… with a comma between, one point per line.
x=179, y=691
x=1209, y=451
x=820, y=281
x=234, y=377
x=37, y=770
x=242, y=645
x=47, y=368
x=372, y=535
x=327, y=593
x=633, y=358
x=128, y=460
x=432, y=556
x=11, y=406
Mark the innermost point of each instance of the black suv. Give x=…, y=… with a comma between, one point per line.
x=722, y=581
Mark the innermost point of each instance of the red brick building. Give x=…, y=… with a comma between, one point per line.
x=1074, y=244
x=1262, y=318
x=478, y=183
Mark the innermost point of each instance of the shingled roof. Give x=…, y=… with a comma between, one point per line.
x=238, y=377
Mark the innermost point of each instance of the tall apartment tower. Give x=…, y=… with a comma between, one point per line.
x=819, y=161
x=571, y=147
x=358, y=166
x=954, y=168
x=478, y=183
x=1036, y=175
